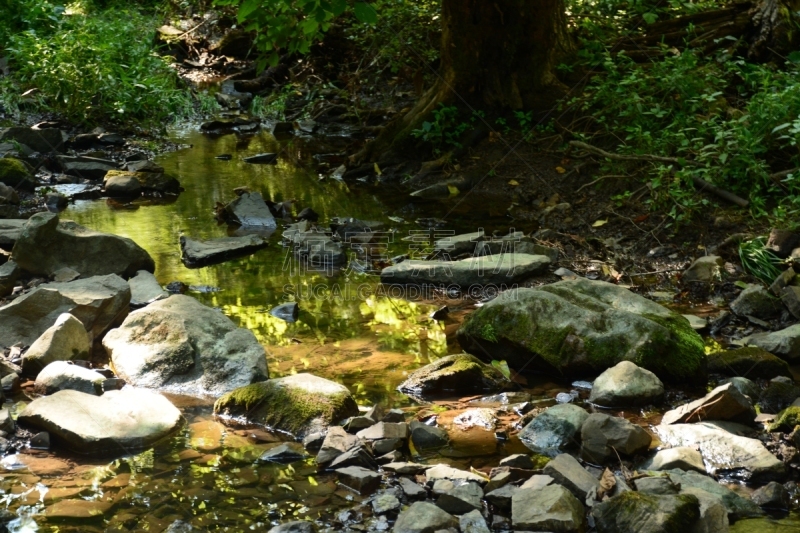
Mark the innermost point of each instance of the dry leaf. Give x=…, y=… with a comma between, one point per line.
x=377, y=169
x=599, y=223
x=513, y=183
x=561, y=170
x=607, y=483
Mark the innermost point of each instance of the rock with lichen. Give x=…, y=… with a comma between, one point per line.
x=299, y=404
x=750, y=361
x=579, y=327
x=14, y=173
x=461, y=373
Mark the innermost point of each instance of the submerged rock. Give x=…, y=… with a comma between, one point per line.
x=299, y=404
x=179, y=345
x=624, y=385
x=201, y=253
x=289, y=311
x=116, y=422
x=724, y=453
x=98, y=302
x=65, y=340
x=750, y=361
x=47, y=245
x=554, y=430
x=250, y=210
x=461, y=373
x=504, y=269
x=576, y=327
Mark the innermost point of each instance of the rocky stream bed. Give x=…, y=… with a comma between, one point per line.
x=332, y=355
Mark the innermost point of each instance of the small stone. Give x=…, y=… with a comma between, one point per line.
x=782, y=241
x=385, y=503
x=782, y=281
x=357, y=423
x=391, y=457
x=567, y=471
x=412, y=490
x=7, y=424
x=424, y=517
x=554, y=430
x=442, y=486
x=473, y=522
x=756, y=301
x=359, y=479
x=626, y=385
x=384, y=430
x=772, y=496
x=355, y=456
x=703, y=270
x=502, y=497
x=498, y=480
x=441, y=471
x=406, y=468
x=40, y=441
x=656, y=485
x=384, y=446
x=394, y=416
x=682, y=457
x=723, y=403
x=298, y=526
x=10, y=383
x=288, y=312
x=284, y=453
x=696, y=322
x=603, y=437
x=461, y=499
x=428, y=437
x=552, y=508
x=313, y=441
x=519, y=460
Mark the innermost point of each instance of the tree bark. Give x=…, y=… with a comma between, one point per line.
x=497, y=54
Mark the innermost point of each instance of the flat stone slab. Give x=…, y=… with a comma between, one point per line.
x=501, y=269
x=202, y=253
x=145, y=289
x=10, y=230
x=117, y=422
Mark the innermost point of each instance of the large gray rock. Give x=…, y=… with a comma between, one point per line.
x=737, y=506
x=122, y=185
x=141, y=182
x=577, y=327
x=552, y=508
x=756, y=301
x=201, y=253
x=65, y=340
x=89, y=168
x=554, y=430
x=723, y=403
x=98, y=302
x=47, y=245
x=635, y=512
x=10, y=230
x=724, y=453
x=179, y=345
x=461, y=499
x=299, y=404
x=713, y=514
x=250, y=210
x=424, y=517
x=625, y=385
x=749, y=361
x=14, y=173
x=681, y=457
x=61, y=375
x=503, y=269
x=145, y=289
x=606, y=437
x=784, y=343
x=9, y=274
x=44, y=140
x=119, y=421
x=461, y=373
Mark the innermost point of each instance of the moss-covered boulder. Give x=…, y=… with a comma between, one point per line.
x=299, y=404
x=635, y=512
x=750, y=361
x=581, y=327
x=778, y=396
x=462, y=373
x=14, y=173
x=786, y=419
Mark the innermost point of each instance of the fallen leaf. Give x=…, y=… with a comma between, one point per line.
x=513, y=183
x=641, y=218
x=453, y=190
x=561, y=170
x=599, y=223
x=377, y=169
x=607, y=483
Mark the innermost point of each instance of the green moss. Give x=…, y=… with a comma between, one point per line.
x=13, y=172
x=627, y=511
x=680, y=355
x=786, y=420
x=289, y=409
x=749, y=361
x=539, y=461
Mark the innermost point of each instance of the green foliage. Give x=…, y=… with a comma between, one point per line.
x=759, y=261
x=488, y=333
x=40, y=16
x=292, y=25
x=502, y=367
x=98, y=65
x=272, y=106
x=445, y=129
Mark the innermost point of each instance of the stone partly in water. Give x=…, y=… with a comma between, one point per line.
x=62, y=375
x=142, y=182
x=65, y=340
x=116, y=422
x=681, y=457
x=47, y=245
x=750, y=361
x=635, y=512
x=704, y=270
x=502, y=269
x=145, y=289
x=462, y=373
x=724, y=453
x=299, y=404
x=201, y=253
x=555, y=430
x=122, y=185
x=625, y=385
x=179, y=345
x=98, y=302
x=250, y=210
x=578, y=327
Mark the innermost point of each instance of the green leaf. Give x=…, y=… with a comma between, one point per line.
x=338, y=7
x=781, y=127
x=650, y=17
x=365, y=13
x=502, y=366
x=247, y=8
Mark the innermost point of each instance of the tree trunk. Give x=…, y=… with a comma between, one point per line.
x=499, y=54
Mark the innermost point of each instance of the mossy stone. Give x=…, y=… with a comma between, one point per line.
x=636, y=512
x=462, y=373
x=581, y=327
x=778, y=396
x=786, y=419
x=14, y=173
x=299, y=404
x=750, y=362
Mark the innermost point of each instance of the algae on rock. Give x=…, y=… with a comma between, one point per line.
x=581, y=327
